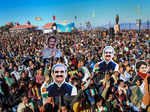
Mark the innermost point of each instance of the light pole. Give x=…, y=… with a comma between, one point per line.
x=148, y=25
x=139, y=25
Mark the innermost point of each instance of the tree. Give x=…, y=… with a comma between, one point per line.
x=6, y=27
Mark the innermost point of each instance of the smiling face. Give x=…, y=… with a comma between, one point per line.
x=143, y=69
x=51, y=43
x=59, y=74
x=108, y=54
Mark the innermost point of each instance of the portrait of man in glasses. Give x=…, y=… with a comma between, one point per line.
x=60, y=87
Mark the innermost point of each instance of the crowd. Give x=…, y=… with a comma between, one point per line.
x=25, y=72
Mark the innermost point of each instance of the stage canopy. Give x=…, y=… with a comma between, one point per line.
x=49, y=28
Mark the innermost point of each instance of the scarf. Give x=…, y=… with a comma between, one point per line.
x=141, y=75
x=146, y=97
x=139, y=93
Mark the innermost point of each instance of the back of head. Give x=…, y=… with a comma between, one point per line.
x=48, y=107
x=27, y=109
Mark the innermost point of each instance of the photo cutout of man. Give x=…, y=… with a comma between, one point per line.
x=51, y=50
x=144, y=89
x=60, y=87
x=107, y=65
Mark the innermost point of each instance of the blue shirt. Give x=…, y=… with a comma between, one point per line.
x=47, y=53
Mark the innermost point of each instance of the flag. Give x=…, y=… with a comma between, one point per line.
x=93, y=13
x=38, y=18
x=54, y=17
x=138, y=10
x=96, y=67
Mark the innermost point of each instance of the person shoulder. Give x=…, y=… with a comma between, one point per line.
x=72, y=88
x=58, y=50
x=50, y=86
x=100, y=63
x=113, y=62
x=46, y=49
x=69, y=85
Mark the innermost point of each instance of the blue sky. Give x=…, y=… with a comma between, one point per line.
x=105, y=11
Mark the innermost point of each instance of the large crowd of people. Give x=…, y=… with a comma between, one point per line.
x=109, y=73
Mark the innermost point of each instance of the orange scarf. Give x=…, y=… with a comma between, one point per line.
x=146, y=97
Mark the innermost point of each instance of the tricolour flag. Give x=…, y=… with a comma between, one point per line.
x=96, y=67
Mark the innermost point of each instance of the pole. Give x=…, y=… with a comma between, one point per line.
x=59, y=99
x=139, y=25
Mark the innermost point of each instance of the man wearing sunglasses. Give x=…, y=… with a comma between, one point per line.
x=60, y=87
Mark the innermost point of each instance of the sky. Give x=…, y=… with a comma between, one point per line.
x=98, y=12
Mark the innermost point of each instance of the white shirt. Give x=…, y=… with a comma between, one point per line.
x=126, y=78
x=48, y=51
x=16, y=74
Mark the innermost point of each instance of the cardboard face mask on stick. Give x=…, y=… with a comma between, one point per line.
x=108, y=53
x=60, y=87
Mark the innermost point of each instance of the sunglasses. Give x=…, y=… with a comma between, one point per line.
x=59, y=71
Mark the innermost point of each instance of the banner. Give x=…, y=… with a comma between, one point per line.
x=67, y=27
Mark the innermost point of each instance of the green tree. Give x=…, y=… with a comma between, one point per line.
x=6, y=27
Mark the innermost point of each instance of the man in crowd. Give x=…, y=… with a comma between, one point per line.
x=25, y=103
